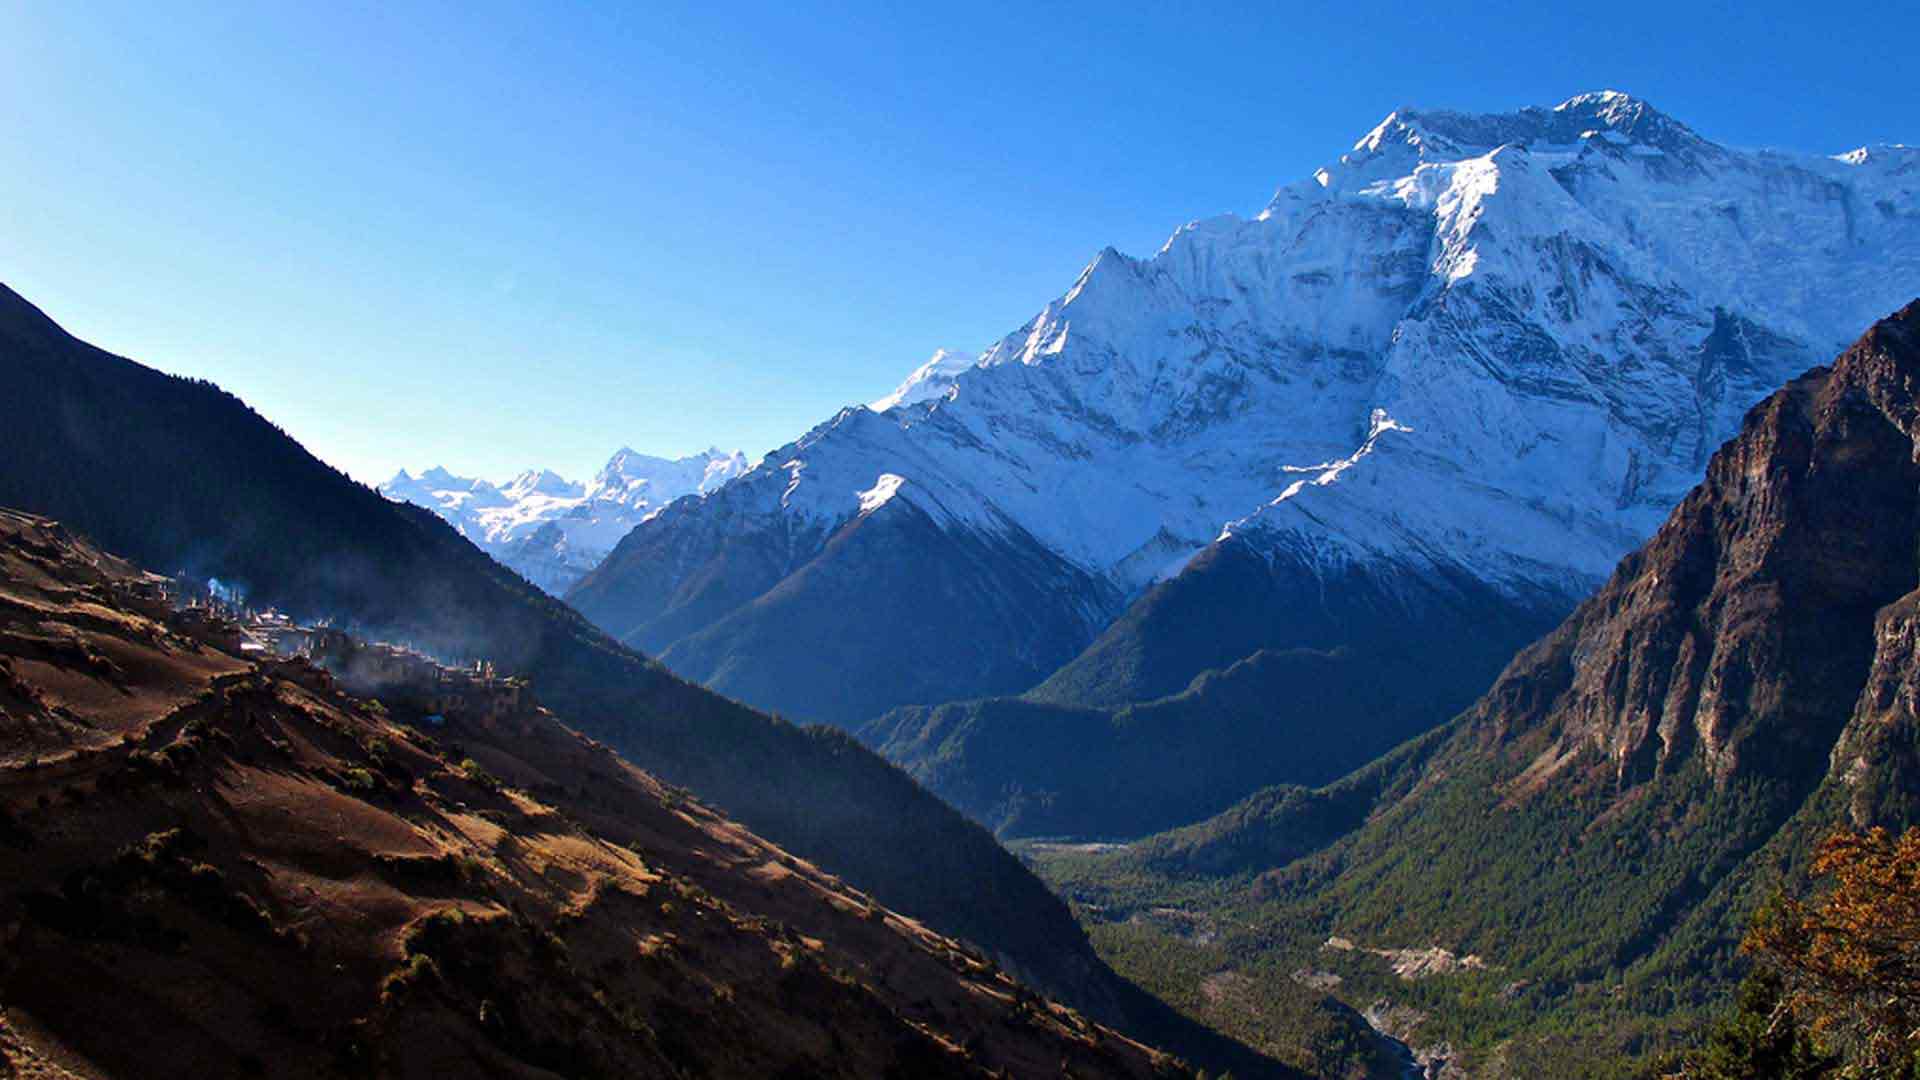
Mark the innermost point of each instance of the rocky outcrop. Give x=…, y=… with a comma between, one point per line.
x=1743, y=632
x=1609, y=814
x=1876, y=762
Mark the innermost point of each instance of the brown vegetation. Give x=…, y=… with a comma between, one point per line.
x=213, y=867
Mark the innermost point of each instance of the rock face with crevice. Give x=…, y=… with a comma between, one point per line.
x=1743, y=632
x=1604, y=820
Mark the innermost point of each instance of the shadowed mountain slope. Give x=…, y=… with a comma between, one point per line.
x=1597, y=829
x=182, y=476
x=223, y=866
x=1465, y=366
x=1293, y=713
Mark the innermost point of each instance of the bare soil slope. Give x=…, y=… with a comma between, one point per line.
x=217, y=866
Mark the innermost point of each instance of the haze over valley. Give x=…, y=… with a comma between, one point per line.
x=1454, y=618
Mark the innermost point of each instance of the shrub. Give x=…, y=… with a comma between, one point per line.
x=419, y=970
x=472, y=772
x=1849, y=962
x=442, y=870
x=1762, y=1038
x=435, y=934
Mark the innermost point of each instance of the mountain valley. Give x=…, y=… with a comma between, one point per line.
x=1404, y=419
x=183, y=477
x=1459, y=621
x=255, y=872
x=1598, y=828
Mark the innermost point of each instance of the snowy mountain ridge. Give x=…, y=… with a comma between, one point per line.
x=553, y=530
x=930, y=380
x=1562, y=310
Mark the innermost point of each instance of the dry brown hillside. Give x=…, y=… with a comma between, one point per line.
x=216, y=866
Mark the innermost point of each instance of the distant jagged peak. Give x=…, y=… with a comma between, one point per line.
x=930, y=380
x=1401, y=127
x=627, y=457
x=1445, y=133
x=437, y=481
x=1602, y=128
x=722, y=466
x=1630, y=117
x=1895, y=155
x=517, y=522
x=631, y=473
x=1615, y=107
x=543, y=482
x=627, y=468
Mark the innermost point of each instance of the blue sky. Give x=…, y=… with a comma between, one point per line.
x=502, y=235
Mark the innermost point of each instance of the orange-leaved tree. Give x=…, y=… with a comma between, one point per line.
x=1848, y=961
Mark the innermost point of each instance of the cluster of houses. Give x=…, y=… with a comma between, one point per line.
x=411, y=680
x=396, y=675
x=228, y=625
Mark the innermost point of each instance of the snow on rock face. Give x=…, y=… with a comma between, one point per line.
x=540, y=483
x=553, y=530
x=930, y=380
x=880, y=493
x=1569, y=307
x=1507, y=343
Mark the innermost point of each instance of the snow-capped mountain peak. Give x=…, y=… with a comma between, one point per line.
x=1897, y=156
x=930, y=380
x=1447, y=132
x=634, y=477
x=552, y=529
x=1563, y=309
x=541, y=482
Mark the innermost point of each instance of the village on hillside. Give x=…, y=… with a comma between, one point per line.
x=398, y=675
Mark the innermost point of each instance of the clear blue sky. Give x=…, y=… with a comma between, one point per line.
x=494, y=236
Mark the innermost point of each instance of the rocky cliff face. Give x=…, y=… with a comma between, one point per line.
x=1603, y=821
x=1743, y=632
x=1765, y=635
x=1490, y=350
x=1875, y=765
